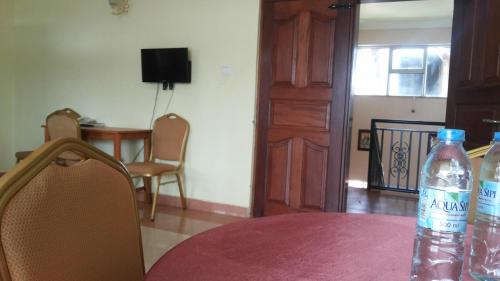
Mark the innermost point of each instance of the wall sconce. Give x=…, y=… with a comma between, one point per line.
x=118, y=6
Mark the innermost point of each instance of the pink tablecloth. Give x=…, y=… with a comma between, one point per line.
x=344, y=247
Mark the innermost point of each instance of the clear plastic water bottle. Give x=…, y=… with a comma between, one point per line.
x=445, y=188
x=484, y=263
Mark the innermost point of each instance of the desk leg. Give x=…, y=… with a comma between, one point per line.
x=147, y=180
x=147, y=147
x=117, y=147
x=147, y=189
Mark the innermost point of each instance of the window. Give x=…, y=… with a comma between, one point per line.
x=402, y=71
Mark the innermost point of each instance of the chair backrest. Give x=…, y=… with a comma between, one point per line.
x=71, y=112
x=476, y=165
x=169, y=138
x=63, y=124
x=476, y=155
x=77, y=222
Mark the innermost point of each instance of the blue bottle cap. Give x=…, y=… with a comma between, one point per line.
x=497, y=136
x=451, y=135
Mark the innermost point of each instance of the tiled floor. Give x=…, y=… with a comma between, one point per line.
x=172, y=226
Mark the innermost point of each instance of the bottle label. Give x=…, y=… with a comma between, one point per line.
x=441, y=210
x=488, y=198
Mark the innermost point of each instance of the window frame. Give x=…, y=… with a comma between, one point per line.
x=391, y=70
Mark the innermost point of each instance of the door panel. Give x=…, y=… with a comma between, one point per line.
x=466, y=16
x=309, y=93
x=474, y=88
x=285, y=51
x=471, y=116
x=321, y=51
x=279, y=171
x=300, y=114
x=491, y=74
x=314, y=175
x=316, y=137
x=296, y=154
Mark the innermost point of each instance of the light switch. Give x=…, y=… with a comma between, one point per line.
x=226, y=70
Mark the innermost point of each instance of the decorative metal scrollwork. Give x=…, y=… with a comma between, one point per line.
x=399, y=153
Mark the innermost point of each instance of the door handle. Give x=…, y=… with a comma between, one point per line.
x=491, y=121
x=336, y=6
x=494, y=123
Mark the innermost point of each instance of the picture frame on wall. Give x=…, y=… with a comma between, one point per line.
x=432, y=140
x=364, y=139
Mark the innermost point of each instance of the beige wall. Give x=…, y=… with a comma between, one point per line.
x=366, y=108
x=6, y=87
x=76, y=54
x=415, y=36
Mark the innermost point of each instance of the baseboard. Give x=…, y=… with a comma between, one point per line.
x=200, y=205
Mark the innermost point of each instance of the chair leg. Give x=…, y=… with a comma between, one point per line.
x=155, y=198
x=147, y=189
x=180, y=183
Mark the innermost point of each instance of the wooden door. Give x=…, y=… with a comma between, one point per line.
x=474, y=91
x=302, y=126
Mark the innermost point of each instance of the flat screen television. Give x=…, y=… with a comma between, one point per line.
x=167, y=65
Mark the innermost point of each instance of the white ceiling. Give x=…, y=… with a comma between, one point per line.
x=406, y=14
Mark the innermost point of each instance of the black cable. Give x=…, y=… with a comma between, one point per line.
x=150, y=122
x=154, y=108
x=169, y=101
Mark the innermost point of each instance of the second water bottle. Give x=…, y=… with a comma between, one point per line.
x=485, y=247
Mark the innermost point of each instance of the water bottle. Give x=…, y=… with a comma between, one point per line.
x=484, y=262
x=444, y=197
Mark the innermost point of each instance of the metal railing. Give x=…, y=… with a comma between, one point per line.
x=398, y=149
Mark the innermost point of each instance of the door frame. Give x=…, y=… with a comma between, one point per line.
x=336, y=187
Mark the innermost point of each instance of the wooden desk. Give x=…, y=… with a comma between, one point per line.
x=116, y=135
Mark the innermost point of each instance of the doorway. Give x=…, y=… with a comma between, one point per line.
x=295, y=170
x=400, y=73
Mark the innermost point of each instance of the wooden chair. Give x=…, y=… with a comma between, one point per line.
x=77, y=222
x=64, y=123
x=61, y=123
x=169, y=139
x=476, y=156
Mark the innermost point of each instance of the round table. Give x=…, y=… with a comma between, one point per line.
x=311, y=246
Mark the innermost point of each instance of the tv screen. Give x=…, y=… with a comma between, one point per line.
x=170, y=65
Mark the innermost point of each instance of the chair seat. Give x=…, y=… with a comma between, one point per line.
x=149, y=168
